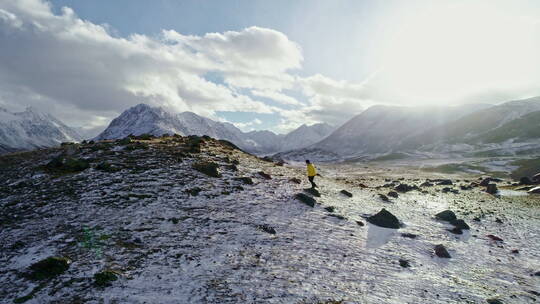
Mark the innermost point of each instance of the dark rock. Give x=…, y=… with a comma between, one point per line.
x=266, y=228
x=209, y=168
x=393, y=194
x=525, y=180
x=426, y=184
x=362, y=185
x=494, y=238
x=193, y=191
x=536, y=178
x=488, y=180
x=267, y=159
x=460, y=224
x=491, y=189
x=341, y=217
x=445, y=182
x=409, y=235
x=295, y=180
x=515, y=251
x=448, y=189
x=306, y=199
x=265, y=175
x=456, y=230
x=384, y=219
x=346, y=193
x=104, y=278
x=441, y=252
x=446, y=215
x=246, y=180
x=330, y=208
x=49, y=268
x=384, y=197
x=498, y=220
x=235, y=162
x=494, y=301
x=537, y=274
x=360, y=223
x=405, y=188
x=232, y=167
x=465, y=187
x=404, y=263
x=313, y=192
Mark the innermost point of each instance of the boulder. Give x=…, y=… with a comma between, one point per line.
x=393, y=194
x=266, y=228
x=445, y=182
x=409, y=235
x=525, y=180
x=48, y=268
x=535, y=190
x=494, y=238
x=441, y=251
x=426, y=184
x=346, y=193
x=460, y=224
x=494, y=301
x=446, y=215
x=456, y=230
x=295, y=180
x=246, y=180
x=330, y=208
x=491, y=189
x=360, y=223
x=209, y=168
x=384, y=219
x=488, y=180
x=104, y=278
x=384, y=197
x=306, y=199
x=405, y=188
x=265, y=175
x=313, y=192
x=404, y=263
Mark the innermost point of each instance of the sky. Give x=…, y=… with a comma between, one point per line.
x=264, y=64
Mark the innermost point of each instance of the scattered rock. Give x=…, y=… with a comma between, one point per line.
x=104, y=278
x=426, y=184
x=330, y=208
x=193, y=191
x=494, y=238
x=313, y=192
x=491, y=189
x=460, y=224
x=209, y=168
x=441, y=251
x=409, y=235
x=295, y=180
x=445, y=182
x=515, y=251
x=494, y=301
x=360, y=223
x=404, y=263
x=264, y=175
x=384, y=219
x=446, y=215
x=384, y=197
x=456, y=230
x=488, y=180
x=246, y=180
x=49, y=268
x=346, y=193
x=393, y=194
x=341, y=217
x=405, y=188
x=448, y=189
x=266, y=228
x=306, y=199
x=498, y=221
x=525, y=180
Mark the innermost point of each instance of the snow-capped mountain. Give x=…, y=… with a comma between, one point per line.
x=32, y=129
x=144, y=119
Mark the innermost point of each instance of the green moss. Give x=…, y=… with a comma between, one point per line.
x=104, y=278
x=48, y=268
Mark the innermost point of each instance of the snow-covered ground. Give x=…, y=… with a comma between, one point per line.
x=168, y=246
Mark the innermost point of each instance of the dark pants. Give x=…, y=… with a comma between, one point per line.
x=311, y=178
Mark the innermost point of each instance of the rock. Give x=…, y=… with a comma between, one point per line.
x=448, y=189
x=537, y=274
x=393, y=194
x=536, y=178
x=209, y=168
x=494, y=238
x=488, y=180
x=384, y=197
x=193, y=191
x=494, y=301
x=266, y=228
x=445, y=182
x=426, y=184
x=313, y=192
x=456, y=230
x=360, y=223
x=104, y=278
x=446, y=215
x=465, y=187
x=404, y=263
x=384, y=219
x=306, y=199
x=515, y=251
x=409, y=235
x=441, y=252
x=338, y=216
x=405, y=188
x=330, y=208
x=491, y=189
x=498, y=221
x=295, y=180
x=460, y=224
x=49, y=268
x=265, y=175
x=246, y=180
x=346, y=193
x=525, y=180
x=535, y=190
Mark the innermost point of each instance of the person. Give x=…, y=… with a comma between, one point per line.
x=311, y=173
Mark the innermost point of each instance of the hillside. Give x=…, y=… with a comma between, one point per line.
x=137, y=222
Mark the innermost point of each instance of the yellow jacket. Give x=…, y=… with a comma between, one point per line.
x=311, y=171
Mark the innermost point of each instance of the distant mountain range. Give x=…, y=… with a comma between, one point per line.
x=31, y=129
x=505, y=129
x=144, y=119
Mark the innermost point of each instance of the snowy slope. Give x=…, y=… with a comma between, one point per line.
x=305, y=136
x=31, y=129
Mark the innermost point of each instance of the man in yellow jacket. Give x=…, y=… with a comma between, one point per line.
x=311, y=173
